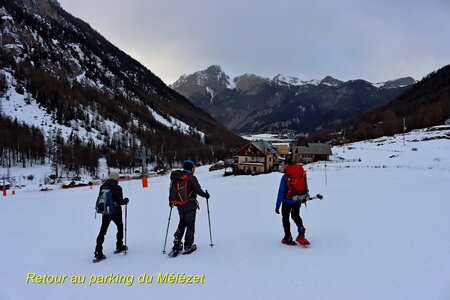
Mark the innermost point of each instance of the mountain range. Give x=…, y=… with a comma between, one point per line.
x=425, y=104
x=253, y=104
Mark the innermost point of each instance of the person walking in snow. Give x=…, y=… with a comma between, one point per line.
x=290, y=203
x=112, y=187
x=187, y=211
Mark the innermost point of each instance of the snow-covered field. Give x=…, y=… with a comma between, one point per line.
x=381, y=232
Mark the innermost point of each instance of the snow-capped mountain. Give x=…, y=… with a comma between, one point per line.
x=203, y=85
x=256, y=104
x=61, y=76
x=330, y=81
x=401, y=82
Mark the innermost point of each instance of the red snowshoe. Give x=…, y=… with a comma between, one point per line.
x=303, y=241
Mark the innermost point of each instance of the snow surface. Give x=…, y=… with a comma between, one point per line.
x=381, y=232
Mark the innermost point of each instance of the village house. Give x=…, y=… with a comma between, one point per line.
x=282, y=149
x=311, y=153
x=255, y=157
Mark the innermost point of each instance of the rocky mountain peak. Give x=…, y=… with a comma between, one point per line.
x=287, y=80
x=249, y=83
x=328, y=80
x=212, y=80
x=404, y=81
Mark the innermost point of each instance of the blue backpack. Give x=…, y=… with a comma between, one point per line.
x=105, y=204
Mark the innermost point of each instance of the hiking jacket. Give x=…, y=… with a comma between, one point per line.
x=117, y=194
x=194, y=186
x=282, y=191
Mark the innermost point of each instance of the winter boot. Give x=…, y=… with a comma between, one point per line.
x=121, y=249
x=190, y=249
x=177, y=245
x=99, y=255
x=301, y=238
x=287, y=240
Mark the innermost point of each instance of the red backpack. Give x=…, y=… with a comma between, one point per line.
x=295, y=180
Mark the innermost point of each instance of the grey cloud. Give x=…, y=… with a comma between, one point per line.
x=348, y=39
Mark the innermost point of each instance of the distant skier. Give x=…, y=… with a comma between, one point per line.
x=183, y=194
x=108, y=203
x=291, y=193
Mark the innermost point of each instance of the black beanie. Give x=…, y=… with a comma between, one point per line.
x=288, y=161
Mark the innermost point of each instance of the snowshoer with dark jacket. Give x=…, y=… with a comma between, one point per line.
x=112, y=184
x=187, y=211
x=290, y=206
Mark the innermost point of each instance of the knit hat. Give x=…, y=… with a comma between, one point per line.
x=114, y=175
x=288, y=161
x=188, y=165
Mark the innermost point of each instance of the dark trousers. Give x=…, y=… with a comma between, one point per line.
x=106, y=220
x=187, y=222
x=293, y=210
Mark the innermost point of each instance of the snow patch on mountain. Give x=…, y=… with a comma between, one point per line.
x=24, y=108
x=287, y=80
x=176, y=124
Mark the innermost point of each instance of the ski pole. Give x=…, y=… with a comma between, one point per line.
x=126, y=217
x=167, y=231
x=209, y=222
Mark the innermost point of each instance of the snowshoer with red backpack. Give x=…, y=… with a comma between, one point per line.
x=183, y=194
x=292, y=192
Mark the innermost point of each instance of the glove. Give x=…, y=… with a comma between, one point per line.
x=207, y=195
x=126, y=200
x=277, y=210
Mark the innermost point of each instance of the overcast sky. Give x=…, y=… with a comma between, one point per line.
x=376, y=40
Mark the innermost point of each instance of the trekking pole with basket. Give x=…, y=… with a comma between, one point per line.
x=209, y=222
x=126, y=217
x=167, y=231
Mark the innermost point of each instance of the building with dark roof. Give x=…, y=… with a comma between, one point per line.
x=311, y=153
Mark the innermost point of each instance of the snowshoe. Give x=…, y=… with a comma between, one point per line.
x=174, y=253
x=189, y=249
x=288, y=241
x=176, y=249
x=121, y=249
x=98, y=257
x=303, y=241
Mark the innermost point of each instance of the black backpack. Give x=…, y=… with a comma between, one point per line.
x=178, y=192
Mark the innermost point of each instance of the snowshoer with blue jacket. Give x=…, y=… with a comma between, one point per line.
x=290, y=205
